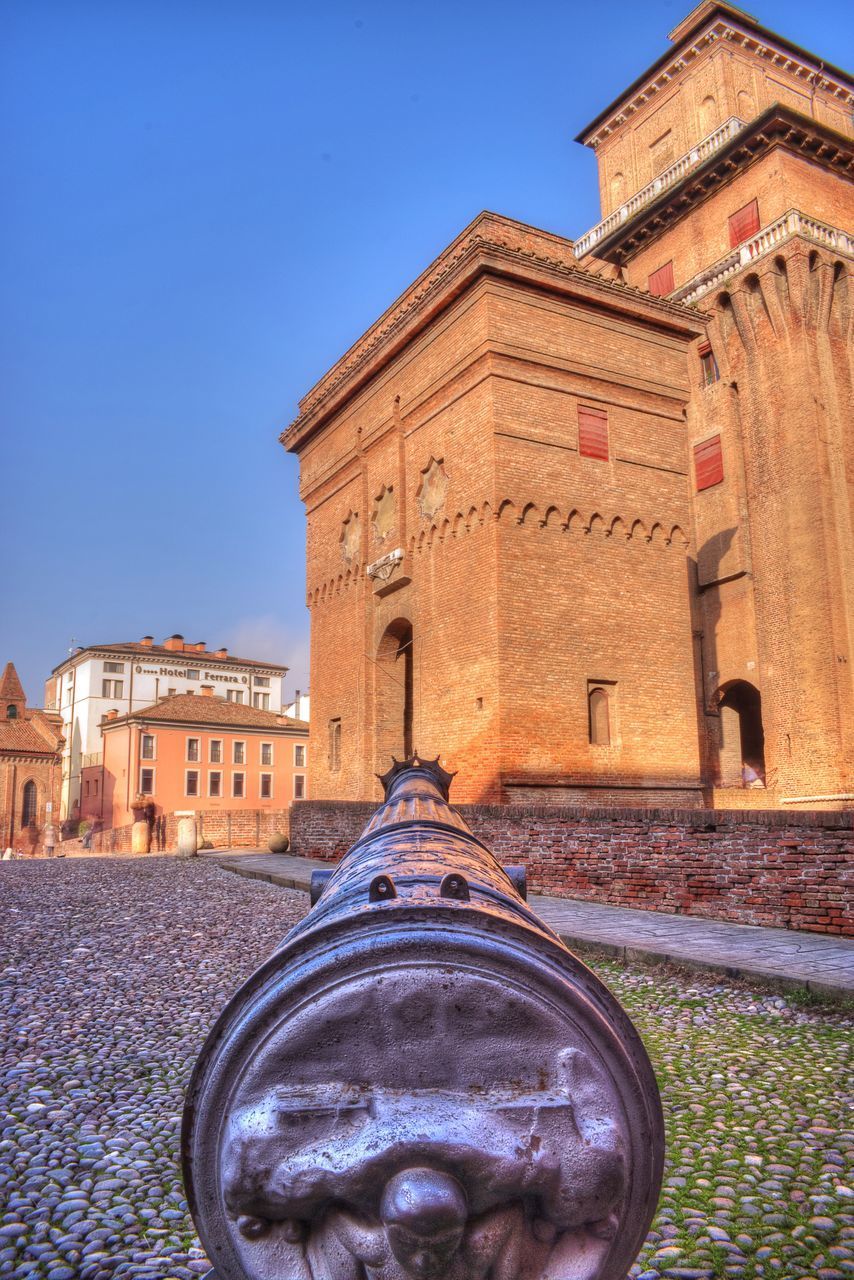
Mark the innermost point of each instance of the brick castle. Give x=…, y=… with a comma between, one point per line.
x=579, y=513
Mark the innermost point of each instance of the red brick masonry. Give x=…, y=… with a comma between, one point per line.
x=227, y=829
x=791, y=870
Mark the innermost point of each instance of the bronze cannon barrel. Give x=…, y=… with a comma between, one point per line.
x=422, y=1081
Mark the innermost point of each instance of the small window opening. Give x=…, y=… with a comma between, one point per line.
x=335, y=743
x=708, y=365
x=599, y=713
x=28, y=808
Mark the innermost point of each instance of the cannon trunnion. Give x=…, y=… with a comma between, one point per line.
x=422, y=1082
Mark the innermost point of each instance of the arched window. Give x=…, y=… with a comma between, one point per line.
x=29, y=807
x=599, y=717
x=742, y=745
x=394, y=694
x=11, y=712
x=708, y=114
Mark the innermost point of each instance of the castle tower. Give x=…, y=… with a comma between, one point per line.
x=725, y=173
x=579, y=514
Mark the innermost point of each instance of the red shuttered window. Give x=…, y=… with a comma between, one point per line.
x=708, y=463
x=743, y=224
x=661, y=281
x=592, y=432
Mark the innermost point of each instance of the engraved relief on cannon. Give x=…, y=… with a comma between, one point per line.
x=422, y=1083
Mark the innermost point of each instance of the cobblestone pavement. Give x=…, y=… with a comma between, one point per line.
x=111, y=971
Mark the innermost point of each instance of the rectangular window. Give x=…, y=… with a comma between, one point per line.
x=335, y=743
x=708, y=365
x=191, y=787
x=660, y=282
x=266, y=785
x=193, y=752
x=215, y=783
x=234, y=695
x=114, y=666
x=237, y=785
x=661, y=152
x=146, y=782
x=216, y=750
x=171, y=693
x=299, y=755
x=299, y=786
x=95, y=786
x=592, y=432
x=708, y=463
x=261, y=701
x=192, y=673
x=263, y=682
x=112, y=688
x=266, y=753
x=743, y=224
x=238, y=755
x=147, y=748
x=87, y=786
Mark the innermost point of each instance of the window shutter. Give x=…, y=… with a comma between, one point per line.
x=661, y=281
x=592, y=432
x=743, y=224
x=708, y=463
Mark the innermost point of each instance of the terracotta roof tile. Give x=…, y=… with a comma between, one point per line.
x=23, y=737
x=192, y=708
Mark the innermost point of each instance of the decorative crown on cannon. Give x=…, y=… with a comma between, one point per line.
x=422, y=1082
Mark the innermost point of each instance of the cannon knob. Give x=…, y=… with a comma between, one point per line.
x=518, y=877
x=319, y=880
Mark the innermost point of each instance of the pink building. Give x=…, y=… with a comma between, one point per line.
x=197, y=752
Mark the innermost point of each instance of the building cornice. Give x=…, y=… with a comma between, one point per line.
x=777, y=127
x=489, y=246
x=137, y=721
x=184, y=656
x=717, y=22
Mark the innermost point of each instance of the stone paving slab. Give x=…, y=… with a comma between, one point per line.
x=817, y=961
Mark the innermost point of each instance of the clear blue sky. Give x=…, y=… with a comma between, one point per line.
x=204, y=203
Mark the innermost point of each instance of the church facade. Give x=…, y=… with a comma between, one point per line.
x=579, y=513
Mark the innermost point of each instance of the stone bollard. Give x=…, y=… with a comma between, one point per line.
x=140, y=836
x=188, y=836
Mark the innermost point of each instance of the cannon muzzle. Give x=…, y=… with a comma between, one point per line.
x=422, y=1082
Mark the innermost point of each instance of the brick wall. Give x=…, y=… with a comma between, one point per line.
x=792, y=870
x=228, y=829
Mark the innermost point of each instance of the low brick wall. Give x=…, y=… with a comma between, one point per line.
x=226, y=829
x=763, y=867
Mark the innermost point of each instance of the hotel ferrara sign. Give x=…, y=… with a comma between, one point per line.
x=184, y=673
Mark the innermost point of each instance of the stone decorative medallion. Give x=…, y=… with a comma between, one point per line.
x=385, y=512
x=350, y=537
x=433, y=488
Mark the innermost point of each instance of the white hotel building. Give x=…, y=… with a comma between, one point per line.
x=101, y=678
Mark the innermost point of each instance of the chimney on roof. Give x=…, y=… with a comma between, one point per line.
x=174, y=643
x=221, y=653
x=148, y=641
x=207, y=690
x=111, y=715
x=198, y=647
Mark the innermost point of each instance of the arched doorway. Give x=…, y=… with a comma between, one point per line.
x=394, y=694
x=29, y=804
x=742, y=746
